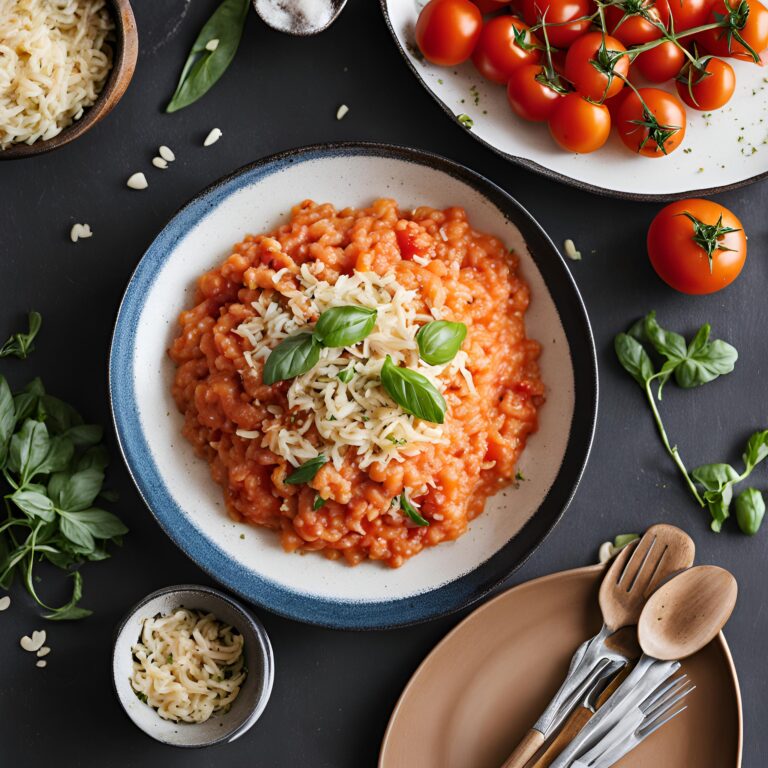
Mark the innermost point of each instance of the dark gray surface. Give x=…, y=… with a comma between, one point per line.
x=333, y=690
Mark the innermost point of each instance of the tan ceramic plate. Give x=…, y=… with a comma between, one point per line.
x=482, y=687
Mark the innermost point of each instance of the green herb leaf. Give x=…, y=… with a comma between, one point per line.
x=633, y=358
x=756, y=450
x=440, y=340
x=667, y=343
x=307, y=471
x=29, y=447
x=34, y=504
x=318, y=503
x=76, y=531
x=346, y=375
x=414, y=393
x=71, y=611
x=411, y=511
x=100, y=523
x=59, y=416
x=204, y=67
x=623, y=539
x=7, y=418
x=750, y=510
x=21, y=344
x=85, y=435
x=705, y=360
x=80, y=490
x=344, y=326
x=291, y=357
x=59, y=455
x=714, y=477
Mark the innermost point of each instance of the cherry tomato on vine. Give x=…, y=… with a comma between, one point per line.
x=447, y=31
x=697, y=246
x=579, y=125
x=653, y=132
x=598, y=83
x=661, y=63
x=529, y=95
x=556, y=13
x=489, y=6
x=499, y=52
x=688, y=14
x=710, y=91
x=635, y=21
x=750, y=19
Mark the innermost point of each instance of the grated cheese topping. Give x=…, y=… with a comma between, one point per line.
x=356, y=415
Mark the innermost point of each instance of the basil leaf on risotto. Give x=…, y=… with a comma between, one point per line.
x=291, y=357
x=307, y=471
x=411, y=511
x=414, y=393
x=440, y=341
x=344, y=326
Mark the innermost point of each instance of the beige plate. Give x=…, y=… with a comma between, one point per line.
x=475, y=696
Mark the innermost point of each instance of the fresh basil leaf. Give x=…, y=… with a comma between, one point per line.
x=714, y=477
x=76, y=531
x=85, y=435
x=59, y=455
x=756, y=450
x=291, y=357
x=29, y=447
x=34, y=504
x=204, y=67
x=637, y=331
x=7, y=419
x=440, y=340
x=411, y=511
x=623, y=539
x=71, y=611
x=750, y=511
x=319, y=502
x=56, y=484
x=347, y=374
x=667, y=343
x=307, y=471
x=62, y=560
x=705, y=360
x=80, y=490
x=94, y=458
x=98, y=553
x=100, y=524
x=344, y=326
x=109, y=494
x=21, y=344
x=718, y=504
x=633, y=358
x=59, y=416
x=414, y=393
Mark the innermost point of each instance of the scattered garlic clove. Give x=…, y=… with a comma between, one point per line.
x=166, y=153
x=42, y=663
x=79, y=232
x=138, y=181
x=44, y=651
x=212, y=137
x=159, y=162
x=34, y=643
x=341, y=111
x=5, y=603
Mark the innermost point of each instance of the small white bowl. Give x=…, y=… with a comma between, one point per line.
x=253, y=696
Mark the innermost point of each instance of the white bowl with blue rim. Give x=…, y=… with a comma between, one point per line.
x=257, y=651
x=177, y=486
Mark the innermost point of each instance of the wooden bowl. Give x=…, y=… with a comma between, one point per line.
x=125, y=55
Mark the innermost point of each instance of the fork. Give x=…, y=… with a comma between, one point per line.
x=654, y=712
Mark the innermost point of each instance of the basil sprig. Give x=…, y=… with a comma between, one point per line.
x=750, y=510
x=440, y=340
x=336, y=327
x=344, y=326
x=307, y=471
x=411, y=511
x=21, y=344
x=291, y=357
x=205, y=66
x=414, y=393
x=693, y=365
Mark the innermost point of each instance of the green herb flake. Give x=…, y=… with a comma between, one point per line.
x=414, y=393
x=318, y=503
x=466, y=120
x=411, y=511
x=307, y=471
x=346, y=375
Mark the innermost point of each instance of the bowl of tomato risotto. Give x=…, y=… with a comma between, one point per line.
x=355, y=383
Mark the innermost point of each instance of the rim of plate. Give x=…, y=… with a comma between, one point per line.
x=258, y=588
x=548, y=173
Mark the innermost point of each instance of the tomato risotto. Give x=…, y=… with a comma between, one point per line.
x=360, y=380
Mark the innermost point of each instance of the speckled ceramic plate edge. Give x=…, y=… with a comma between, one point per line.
x=535, y=167
x=475, y=615
x=297, y=605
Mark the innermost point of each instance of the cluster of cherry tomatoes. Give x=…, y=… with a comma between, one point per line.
x=570, y=62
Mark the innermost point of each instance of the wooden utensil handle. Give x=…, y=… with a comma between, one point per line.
x=577, y=720
x=525, y=750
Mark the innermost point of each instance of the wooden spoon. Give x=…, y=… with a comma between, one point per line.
x=629, y=581
x=687, y=612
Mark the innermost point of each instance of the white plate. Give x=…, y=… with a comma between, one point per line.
x=177, y=485
x=728, y=147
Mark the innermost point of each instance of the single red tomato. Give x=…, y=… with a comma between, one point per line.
x=498, y=51
x=579, y=125
x=710, y=91
x=687, y=14
x=636, y=21
x=749, y=18
x=447, y=31
x=602, y=81
x=529, y=95
x=489, y=6
x=556, y=13
x=658, y=131
x=661, y=63
x=697, y=246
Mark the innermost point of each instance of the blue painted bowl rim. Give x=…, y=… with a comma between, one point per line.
x=260, y=590
x=250, y=624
